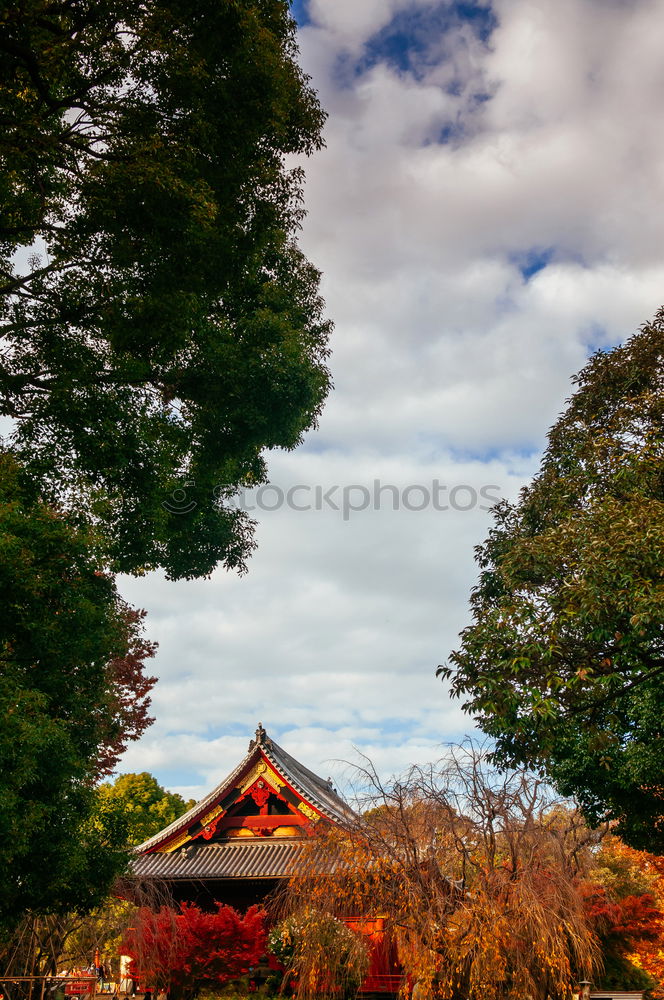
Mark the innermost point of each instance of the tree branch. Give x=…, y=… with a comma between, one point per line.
x=612, y=695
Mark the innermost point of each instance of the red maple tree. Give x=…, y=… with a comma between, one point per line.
x=179, y=950
x=128, y=690
x=630, y=931
x=626, y=904
x=624, y=922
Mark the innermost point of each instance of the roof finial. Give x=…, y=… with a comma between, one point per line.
x=260, y=740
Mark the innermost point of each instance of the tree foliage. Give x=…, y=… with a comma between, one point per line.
x=622, y=925
x=68, y=702
x=564, y=662
x=146, y=807
x=182, y=950
x=45, y=944
x=476, y=873
x=128, y=700
x=160, y=326
x=626, y=902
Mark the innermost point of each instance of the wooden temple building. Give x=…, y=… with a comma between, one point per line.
x=242, y=840
x=239, y=842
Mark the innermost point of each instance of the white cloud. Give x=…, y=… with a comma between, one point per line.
x=350, y=24
x=449, y=364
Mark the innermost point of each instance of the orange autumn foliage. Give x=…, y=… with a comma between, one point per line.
x=476, y=873
x=626, y=903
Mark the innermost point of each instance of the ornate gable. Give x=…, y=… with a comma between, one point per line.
x=250, y=825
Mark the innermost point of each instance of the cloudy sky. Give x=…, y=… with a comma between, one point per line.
x=487, y=211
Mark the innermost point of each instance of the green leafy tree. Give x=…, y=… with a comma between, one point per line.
x=66, y=715
x=145, y=805
x=161, y=329
x=43, y=943
x=564, y=662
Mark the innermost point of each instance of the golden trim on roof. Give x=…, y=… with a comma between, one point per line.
x=310, y=813
x=174, y=844
x=213, y=813
x=262, y=770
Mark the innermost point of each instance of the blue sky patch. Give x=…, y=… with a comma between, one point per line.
x=183, y=776
x=524, y=452
x=532, y=261
x=595, y=338
x=480, y=16
x=408, y=42
x=300, y=11
x=450, y=132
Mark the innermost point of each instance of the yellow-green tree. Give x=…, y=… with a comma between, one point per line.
x=146, y=807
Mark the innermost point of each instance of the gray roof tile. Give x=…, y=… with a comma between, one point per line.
x=252, y=859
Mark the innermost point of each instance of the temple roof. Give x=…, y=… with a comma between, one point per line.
x=250, y=859
x=180, y=850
